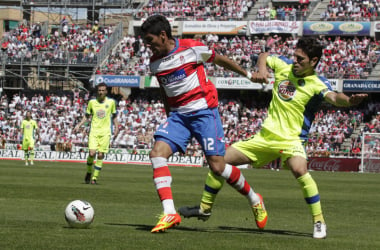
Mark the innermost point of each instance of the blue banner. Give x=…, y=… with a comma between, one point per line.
x=118, y=81
x=337, y=28
x=363, y=86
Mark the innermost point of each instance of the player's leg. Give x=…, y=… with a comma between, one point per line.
x=162, y=181
x=209, y=133
x=31, y=156
x=25, y=148
x=89, y=165
x=103, y=148
x=31, y=152
x=298, y=165
x=97, y=167
x=172, y=136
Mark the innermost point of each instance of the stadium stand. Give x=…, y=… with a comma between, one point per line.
x=57, y=115
x=334, y=132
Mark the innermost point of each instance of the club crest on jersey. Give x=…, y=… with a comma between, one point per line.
x=101, y=113
x=301, y=82
x=182, y=59
x=286, y=90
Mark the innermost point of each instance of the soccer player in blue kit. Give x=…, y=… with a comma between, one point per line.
x=296, y=95
x=191, y=102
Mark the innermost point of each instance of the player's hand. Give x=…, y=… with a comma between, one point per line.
x=357, y=98
x=261, y=77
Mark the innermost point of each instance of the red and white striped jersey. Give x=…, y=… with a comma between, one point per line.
x=182, y=75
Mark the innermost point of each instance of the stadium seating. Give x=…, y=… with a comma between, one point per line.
x=58, y=115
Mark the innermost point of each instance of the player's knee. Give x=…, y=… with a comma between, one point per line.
x=216, y=164
x=217, y=171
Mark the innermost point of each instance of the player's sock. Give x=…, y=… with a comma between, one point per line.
x=236, y=179
x=97, y=168
x=319, y=217
x=213, y=184
x=26, y=155
x=162, y=180
x=311, y=195
x=31, y=155
x=90, y=162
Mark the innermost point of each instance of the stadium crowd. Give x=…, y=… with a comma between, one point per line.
x=344, y=57
x=293, y=12
x=351, y=10
x=70, y=44
x=348, y=58
x=210, y=10
x=57, y=115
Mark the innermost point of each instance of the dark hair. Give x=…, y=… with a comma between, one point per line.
x=155, y=24
x=311, y=46
x=102, y=84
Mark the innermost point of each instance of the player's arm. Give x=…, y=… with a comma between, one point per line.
x=22, y=130
x=84, y=119
x=116, y=124
x=262, y=73
x=229, y=64
x=342, y=100
x=165, y=101
x=37, y=129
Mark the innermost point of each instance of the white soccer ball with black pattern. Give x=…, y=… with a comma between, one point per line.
x=79, y=214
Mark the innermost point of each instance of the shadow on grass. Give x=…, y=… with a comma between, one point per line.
x=220, y=229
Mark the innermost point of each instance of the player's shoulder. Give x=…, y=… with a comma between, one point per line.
x=322, y=80
x=189, y=43
x=110, y=100
x=92, y=100
x=281, y=59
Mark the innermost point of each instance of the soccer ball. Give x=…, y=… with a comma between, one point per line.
x=79, y=214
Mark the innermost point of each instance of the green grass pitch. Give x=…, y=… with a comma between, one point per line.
x=33, y=199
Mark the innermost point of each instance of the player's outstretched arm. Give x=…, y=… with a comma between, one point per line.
x=342, y=100
x=229, y=64
x=116, y=125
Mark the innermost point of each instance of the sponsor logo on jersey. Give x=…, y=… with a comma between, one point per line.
x=286, y=90
x=101, y=113
x=173, y=77
x=168, y=58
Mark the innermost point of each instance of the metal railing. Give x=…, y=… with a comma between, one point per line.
x=101, y=3
x=58, y=58
x=114, y=39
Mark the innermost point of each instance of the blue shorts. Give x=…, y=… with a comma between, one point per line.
x=205, y=125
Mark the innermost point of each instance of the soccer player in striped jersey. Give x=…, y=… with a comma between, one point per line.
x=29, y=129
x=191, y=102
x=102, y=112
x=296, y=95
